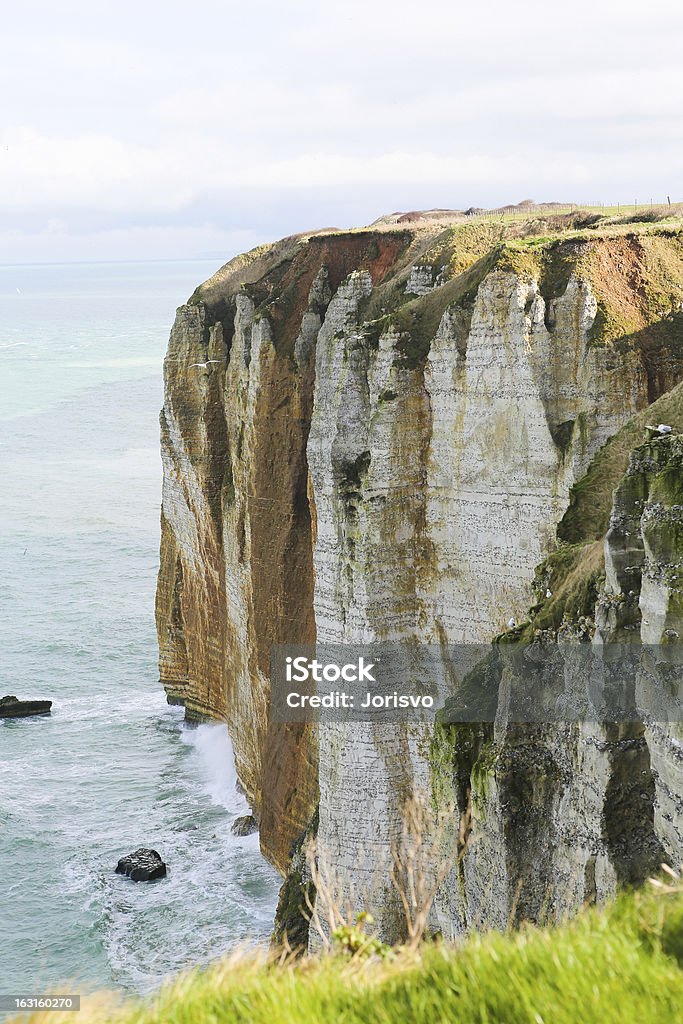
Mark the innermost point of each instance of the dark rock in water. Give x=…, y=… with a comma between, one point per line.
x=244, y=826
x=12, y=707
x=142, y=866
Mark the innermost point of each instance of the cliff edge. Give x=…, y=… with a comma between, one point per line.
x=388, y=433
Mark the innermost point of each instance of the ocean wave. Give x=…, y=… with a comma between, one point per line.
x=216, y=764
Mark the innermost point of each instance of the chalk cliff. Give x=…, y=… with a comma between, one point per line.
x=402, y=432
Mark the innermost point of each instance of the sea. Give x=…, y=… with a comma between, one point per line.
x=113, y=767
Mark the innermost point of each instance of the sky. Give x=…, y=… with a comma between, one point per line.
x=149, y=130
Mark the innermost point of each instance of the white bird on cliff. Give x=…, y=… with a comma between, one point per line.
x=204, y=365
x=512, y=623
x=664, y=428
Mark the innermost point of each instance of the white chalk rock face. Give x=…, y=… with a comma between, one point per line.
x=437, y=492
x=421, y=281
x=369, y=453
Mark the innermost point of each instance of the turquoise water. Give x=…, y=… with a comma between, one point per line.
x=113, y=768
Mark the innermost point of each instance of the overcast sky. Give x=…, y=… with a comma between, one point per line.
x=150, y=130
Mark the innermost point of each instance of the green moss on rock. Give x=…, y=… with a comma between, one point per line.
x=297, y=894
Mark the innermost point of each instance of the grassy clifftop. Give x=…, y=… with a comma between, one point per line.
x=634, y=265
x=617, y=965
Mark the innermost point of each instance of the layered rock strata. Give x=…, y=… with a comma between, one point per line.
x=371, y=436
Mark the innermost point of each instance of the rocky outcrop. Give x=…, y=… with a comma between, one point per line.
x=12, y=707
x=643, y=598
x=373, y=436
x=142, y=866
x=246, y=825
x=564, y=811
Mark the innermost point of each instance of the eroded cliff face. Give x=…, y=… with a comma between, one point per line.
x=237, y=551
x=373, y=436
x=643, y=597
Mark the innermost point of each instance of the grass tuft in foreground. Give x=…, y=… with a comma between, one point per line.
x=619, y=964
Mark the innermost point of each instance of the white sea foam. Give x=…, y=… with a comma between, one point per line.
x=216, y=765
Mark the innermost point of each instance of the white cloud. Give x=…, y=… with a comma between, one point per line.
x=128, y=113
x=39, y=171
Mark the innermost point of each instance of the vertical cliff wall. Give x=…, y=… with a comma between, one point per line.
x=643, y=596
x=372, y=436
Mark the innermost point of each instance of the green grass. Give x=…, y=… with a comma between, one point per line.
x=618, y=965
x=574, y=574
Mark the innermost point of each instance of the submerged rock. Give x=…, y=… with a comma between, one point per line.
x=142, y=866
x=244, y=826
x=12, y=707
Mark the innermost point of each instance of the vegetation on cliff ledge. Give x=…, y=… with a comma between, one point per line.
x=573, y=573
x=633, y=264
